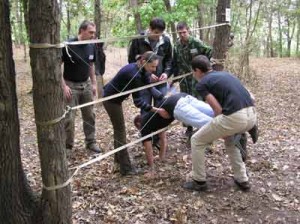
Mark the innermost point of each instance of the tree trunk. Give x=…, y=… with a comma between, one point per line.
x=48, y=103
x=173, y=28
x=200, y=20
x=279, y=30
x=17, y=204
x=221, y=39
x=270, y=51
x=97, y=18
x=137, y=17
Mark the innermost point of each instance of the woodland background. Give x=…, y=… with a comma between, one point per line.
x=265, y=55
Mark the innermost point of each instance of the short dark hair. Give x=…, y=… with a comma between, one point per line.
x=157, y=23
x=84, y=25
x=182, y=25
x=201, y=62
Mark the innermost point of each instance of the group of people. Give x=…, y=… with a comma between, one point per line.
x=228, y=111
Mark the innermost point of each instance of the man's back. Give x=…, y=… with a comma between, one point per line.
x=227, y=89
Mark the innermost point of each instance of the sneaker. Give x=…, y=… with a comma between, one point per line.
x=195, y=185
x=94, y=147
x=244, y=186
x=254, y=133
x=240, y=141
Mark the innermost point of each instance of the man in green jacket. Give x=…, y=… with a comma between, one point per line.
x=185, y=49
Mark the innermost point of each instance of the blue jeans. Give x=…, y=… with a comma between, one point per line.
x=193, y=112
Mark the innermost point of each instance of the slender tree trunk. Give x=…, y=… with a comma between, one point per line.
x=17, y=204
x=137, y=17
x=173, y=28
x=97, y=18
x=221, y=36
x=270, y=51
x=48, y=105
x=200, y=20
x=279, y=31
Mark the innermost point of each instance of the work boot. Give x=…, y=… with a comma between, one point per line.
x=195, y=185
x=244, y=186
x=94, y=147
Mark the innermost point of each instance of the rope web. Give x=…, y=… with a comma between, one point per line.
x=116, y=59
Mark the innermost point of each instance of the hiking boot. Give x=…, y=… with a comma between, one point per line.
x=254, y=133
x=195, y=185
x=94, y=147
x=244, y=186
x=240, y=141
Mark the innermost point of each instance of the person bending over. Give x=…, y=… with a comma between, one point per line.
x=131, y=76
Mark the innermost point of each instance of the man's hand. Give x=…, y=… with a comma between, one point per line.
x=163, y=76
x=67, y=93
x=154, y=78
x=163, y=113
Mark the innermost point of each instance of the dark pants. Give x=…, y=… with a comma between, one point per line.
x=115, y=113
x=81, y=93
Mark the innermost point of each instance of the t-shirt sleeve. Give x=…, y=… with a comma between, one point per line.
x=202, y=89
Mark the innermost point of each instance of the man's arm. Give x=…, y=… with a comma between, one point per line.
x=167, y=60
x=215, y=105
x=204, y=49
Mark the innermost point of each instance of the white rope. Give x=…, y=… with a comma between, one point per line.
x=101, y=157
x=129, y=91
x=110, y=39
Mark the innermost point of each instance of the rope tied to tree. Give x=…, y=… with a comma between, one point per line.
x=215, y=61
x=56, y=120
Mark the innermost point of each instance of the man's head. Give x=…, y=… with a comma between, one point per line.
x=200, y=65
x=156, y=28
x=87, y=30
x=150, y=61
x=183, y=31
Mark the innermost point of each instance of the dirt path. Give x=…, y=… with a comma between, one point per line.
x=100, y=196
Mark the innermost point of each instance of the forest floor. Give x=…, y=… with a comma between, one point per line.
x=101, y=196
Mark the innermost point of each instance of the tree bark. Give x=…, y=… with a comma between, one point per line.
x=173, y=28
x=200, y=20
x=97, y=18
x=220, y=45
x=44, y=20
x=137, y=17
x=17, y=204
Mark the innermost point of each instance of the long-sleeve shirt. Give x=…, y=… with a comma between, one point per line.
x=131, y=77
x=163, y=49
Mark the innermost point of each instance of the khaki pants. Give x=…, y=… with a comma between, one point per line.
x=81, y=93
x=220, y=127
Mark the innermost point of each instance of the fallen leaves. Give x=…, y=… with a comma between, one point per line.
x=102, y=196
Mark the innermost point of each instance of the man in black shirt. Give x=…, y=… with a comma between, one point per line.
x=79, y=84
x=234, y=113
x=179, y=106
